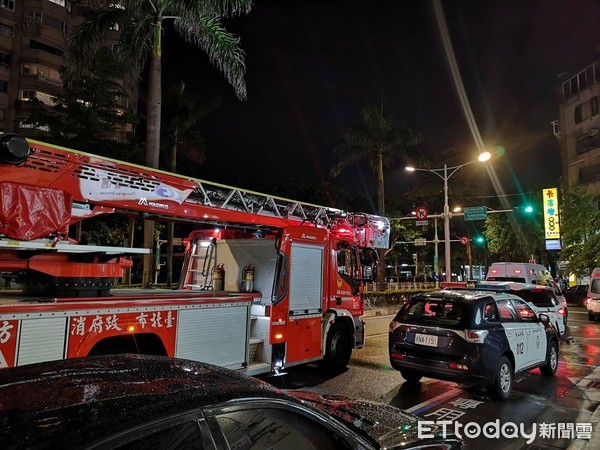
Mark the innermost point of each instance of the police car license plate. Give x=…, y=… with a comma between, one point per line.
x=426, y=339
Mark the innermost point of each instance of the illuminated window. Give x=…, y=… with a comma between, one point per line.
x=41, y=70
x=28, y=95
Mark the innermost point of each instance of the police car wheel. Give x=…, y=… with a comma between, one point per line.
x=551, y=360
x=501, y=388
x=410, y=376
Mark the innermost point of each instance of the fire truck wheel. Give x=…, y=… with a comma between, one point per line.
x=339, y=348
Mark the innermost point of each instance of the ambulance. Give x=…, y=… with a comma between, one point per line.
x=529, y=273
x=518, y=273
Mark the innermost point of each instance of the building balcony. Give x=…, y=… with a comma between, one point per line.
x=44, y=33
x=588, y=141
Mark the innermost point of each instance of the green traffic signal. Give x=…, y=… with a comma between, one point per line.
x=528, y=209
x=479, y=239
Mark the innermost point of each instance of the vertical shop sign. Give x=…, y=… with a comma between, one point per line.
x=551, y=216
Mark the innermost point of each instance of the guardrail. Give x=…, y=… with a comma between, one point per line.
x=400, y=286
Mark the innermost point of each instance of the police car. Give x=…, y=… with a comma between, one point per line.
x=471, y=337
x=540, y=298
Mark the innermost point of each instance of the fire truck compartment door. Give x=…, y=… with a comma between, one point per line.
x=41, y=340
x=216, y=335
x=306, y=279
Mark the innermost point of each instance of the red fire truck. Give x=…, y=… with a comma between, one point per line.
x=267, y=282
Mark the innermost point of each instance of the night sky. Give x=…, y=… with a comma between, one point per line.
x=312, y=65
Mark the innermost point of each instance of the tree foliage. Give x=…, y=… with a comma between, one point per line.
x=580, y=232
x=514, y=236
x=87, y=114
x=183, y=111
x=379, y=142
x=200, y=23
x=110, y=230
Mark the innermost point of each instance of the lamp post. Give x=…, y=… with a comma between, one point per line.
x=445, y=173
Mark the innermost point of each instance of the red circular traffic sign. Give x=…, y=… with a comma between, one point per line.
x=464, y=240
x=421, y=213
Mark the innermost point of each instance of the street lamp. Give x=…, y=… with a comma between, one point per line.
x=445, y=174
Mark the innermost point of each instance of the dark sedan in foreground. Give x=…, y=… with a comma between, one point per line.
x=143, y=402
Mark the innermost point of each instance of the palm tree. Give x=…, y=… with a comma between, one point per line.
x=380, y=142
x=139, y=23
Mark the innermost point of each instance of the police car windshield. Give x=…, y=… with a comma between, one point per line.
x=595, y=287
x=432, y=312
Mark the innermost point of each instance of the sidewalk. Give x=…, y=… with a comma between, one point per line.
x=593, y=417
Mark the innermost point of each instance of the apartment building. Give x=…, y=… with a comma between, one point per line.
x=578, y=126
x=32, y=50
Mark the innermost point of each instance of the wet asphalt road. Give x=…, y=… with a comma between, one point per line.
x=563, y=407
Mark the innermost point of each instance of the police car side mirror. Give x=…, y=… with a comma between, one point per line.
x=544, y=318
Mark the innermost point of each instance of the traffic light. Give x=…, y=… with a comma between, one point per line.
x=525, y=209
x=479, y=239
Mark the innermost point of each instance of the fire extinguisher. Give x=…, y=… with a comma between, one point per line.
x=218, y=277
x=248, y=278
